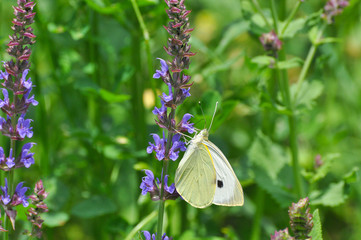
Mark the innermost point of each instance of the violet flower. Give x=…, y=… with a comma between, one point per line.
x=148, y=236
x=149, y=185
x=5, y=198
x=171, y=73
x=164, y=70
x=18, y=85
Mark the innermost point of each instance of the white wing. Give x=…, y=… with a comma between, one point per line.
x=195, y=178
x=228, y=191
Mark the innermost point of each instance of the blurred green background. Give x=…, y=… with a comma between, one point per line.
x=93, y=71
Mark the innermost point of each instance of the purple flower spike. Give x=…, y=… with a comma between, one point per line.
x=158, y=147
x=19, y=195
x=23, y=127
x=4, y=75
x=160, y=112
x=185, y=125
x=26, y=156
x=10, y=160
x=148, y=183
x=170, y=188
x=169, y=98
x=30, y=100
x=5, y=198
x=148, y=236
x=177, y=145
x=164, y=69
x=26, y=83
x=5, y=102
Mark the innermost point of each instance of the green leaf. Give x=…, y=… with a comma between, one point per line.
x=231, y=33
x=267, y=155
x=307, y=94
x=294, y=27
x=59, y=193
x=142, y=3
x=99, y=6
x=55, y=219
x=291, y=63
x=333, y=196
x=79, y=33
x=113, y=98
x=329, y=40
x=263, y=60
x=351, y=177
x=324, y=169
x=316, y=232
x=224, y=66
x=268, y=159
x=258, y=25
x=312, y=35
x=225, y=111
x=273, y=187
x=95, y=206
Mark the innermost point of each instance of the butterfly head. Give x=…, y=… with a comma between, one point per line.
x=204, y=133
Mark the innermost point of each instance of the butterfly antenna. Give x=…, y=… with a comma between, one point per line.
x=205, y=120
x=214, y=114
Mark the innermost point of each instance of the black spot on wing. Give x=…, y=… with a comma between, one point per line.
x=219, y=183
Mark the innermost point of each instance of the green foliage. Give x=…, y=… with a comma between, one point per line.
x=93, y=77
x=316, y=232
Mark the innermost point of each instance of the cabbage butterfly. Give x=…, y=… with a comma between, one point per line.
x=204, y=175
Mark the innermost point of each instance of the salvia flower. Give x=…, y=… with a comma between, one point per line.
x=19, y=196
x=334, y=8
x=23, y=128
x=27, y=157
x=148, y=183
x=185, y=125
x=152, y=186
x=271, y=42
x=10, y=160
x=158, y=146
x=301, y=219
x=164, y=72
x=282, y=235
x=177, y=145
x=5, y=198
x=149, y=236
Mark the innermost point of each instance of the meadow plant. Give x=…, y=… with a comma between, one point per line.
x=15, y=103
x=283, y=99
x=301, y=222
x=169, y=144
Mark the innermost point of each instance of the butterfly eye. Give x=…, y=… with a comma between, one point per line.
x=219, y=183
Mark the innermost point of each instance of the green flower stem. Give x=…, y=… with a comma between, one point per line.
x=274, y=16
x=309, y=58
x=259, y=10
x=285, y=90
x=146, y=37
x=140, y=225
x=256, y=225
x=164, y=172
x=290, y=17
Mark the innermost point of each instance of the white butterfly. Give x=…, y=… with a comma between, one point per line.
x=204, y=175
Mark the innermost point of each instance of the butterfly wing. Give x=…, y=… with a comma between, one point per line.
x=195, y=178
x=228, y=189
